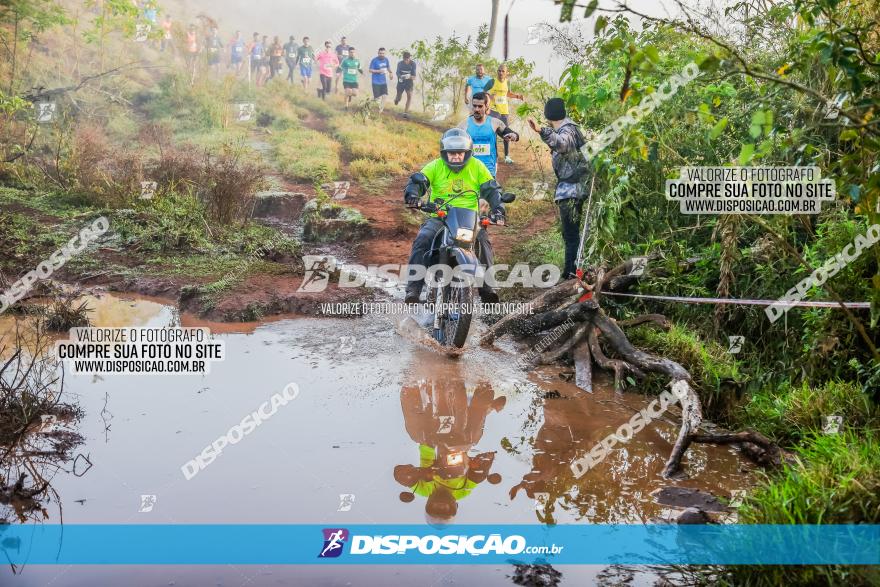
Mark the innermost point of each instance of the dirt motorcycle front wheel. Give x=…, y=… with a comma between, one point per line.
x=456, y=314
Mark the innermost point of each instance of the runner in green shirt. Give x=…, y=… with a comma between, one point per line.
x=351, y=69
x=305, y=57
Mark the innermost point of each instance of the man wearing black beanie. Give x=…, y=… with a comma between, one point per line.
x=572, y=171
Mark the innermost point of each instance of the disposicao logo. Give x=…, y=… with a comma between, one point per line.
x=334, y=540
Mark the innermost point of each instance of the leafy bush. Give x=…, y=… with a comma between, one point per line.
x=230, y=184
x=84, y=162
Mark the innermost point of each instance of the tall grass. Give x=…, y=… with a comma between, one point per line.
x=305, y=154
x=836, y=480
x=384, y=146
x=715, y=373
x=789, y=413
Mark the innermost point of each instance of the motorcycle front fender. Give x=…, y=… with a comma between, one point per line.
x=465, y=259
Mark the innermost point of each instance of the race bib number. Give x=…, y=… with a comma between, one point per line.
x=501, y=99
x=306, y=60
x=482, y=149
x=352, y=71
x=291, y=55
x=237, y=49
x=405, y=76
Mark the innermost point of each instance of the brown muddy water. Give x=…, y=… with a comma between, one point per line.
x=370, y=396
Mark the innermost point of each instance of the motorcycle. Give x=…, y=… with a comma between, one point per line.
x=455, y=245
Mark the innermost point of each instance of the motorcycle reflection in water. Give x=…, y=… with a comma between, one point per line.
x=446, y=421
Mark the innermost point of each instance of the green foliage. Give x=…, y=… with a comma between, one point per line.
x=716, y=375
x=774, y=114
x=20, y=22
x=112, y=15
x=171, y=223
x=445, y=64
x=790, y=413
x=836, y=480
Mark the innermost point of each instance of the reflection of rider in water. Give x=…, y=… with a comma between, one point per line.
x=438, y=417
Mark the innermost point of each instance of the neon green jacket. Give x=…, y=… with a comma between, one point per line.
x=446, y=183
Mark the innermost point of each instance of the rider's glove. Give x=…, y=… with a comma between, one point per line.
x=415, y=189
x=498, y=215
x=410, y=199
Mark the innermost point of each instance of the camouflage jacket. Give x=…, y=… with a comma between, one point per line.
x=569, y=165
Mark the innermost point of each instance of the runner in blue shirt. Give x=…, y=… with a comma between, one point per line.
x=380, y=67
x=484, y=131
x=477, y=83
x=236, y=50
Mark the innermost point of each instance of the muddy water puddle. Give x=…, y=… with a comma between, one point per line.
x=383, y=431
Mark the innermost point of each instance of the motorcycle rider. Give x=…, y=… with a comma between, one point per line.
x=455, y=171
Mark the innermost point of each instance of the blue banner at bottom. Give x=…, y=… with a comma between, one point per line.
x=124, y=544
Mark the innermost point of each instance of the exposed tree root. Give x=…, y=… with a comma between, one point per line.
x=583, y=366
x=554, y=355
x=619, y=367
x=550, y=298
x=593, y=336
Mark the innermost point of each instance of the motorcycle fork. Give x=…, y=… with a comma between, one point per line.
x=443, y=259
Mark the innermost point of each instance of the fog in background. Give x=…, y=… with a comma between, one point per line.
x=395, y=24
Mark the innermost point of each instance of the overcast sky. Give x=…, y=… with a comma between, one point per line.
x=396, y=24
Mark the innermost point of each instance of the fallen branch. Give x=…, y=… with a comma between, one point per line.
x=595, y=333
x=41, y=93
x=658, y=319
x=556, y=354
x=550, y=298
x=756, y=446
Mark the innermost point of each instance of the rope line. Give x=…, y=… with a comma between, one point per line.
x=745, y=302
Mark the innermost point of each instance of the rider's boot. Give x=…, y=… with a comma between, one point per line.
x=488, y=295
x=413, y=291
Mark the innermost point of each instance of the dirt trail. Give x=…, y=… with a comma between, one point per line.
x=390, y=233
x=394, y=227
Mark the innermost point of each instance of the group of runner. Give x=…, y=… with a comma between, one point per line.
x=264, y=60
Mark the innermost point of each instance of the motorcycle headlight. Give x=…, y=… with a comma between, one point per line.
x=454, y=459
x=464, y=234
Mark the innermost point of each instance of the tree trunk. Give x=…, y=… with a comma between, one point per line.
x=493, y=27
x=14, y=56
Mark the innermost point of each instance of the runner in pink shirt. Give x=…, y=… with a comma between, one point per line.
x=328, y=61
